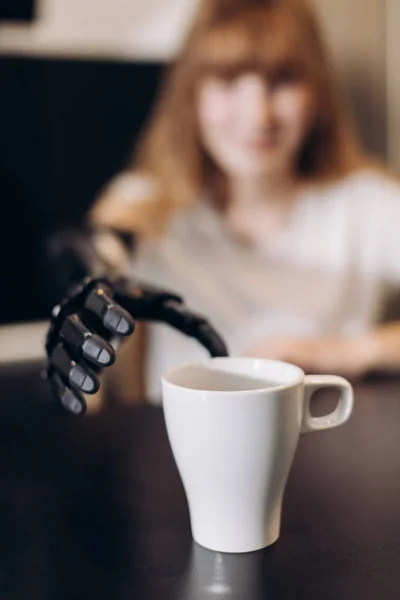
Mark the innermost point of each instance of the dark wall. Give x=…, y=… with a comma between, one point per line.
x=17, y=10
x=66, y=128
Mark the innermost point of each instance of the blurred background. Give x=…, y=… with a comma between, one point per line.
x=77, y=80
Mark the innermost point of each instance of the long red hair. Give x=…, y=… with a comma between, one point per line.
x=228, y=37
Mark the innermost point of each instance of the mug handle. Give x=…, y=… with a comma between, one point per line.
x=343, y=410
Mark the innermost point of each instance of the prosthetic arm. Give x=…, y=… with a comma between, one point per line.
x=87, y=326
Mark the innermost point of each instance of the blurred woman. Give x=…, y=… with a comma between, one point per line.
x=251, y=196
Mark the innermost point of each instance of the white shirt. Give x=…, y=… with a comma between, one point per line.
x=332, y=270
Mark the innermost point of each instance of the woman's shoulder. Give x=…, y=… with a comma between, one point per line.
x=362, y=193
x=372, y=185
x=129, y=202
x=129, y=187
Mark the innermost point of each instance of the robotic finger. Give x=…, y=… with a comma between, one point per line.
x=70, y=398
x=89, y=345
x=113, y=317
x=147, y=303
x=193, y=325
x=74, y=372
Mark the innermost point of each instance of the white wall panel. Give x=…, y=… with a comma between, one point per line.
x=145, y=29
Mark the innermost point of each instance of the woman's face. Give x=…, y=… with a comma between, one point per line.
x=252, y=127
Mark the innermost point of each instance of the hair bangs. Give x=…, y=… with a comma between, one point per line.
x=268, y=42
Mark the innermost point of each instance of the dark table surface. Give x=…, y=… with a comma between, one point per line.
x=95, y=509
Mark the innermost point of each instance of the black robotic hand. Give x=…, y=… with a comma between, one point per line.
x=97, y=313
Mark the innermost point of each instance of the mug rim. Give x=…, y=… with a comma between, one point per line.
x=279, y=387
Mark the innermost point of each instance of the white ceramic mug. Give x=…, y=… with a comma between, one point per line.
x=234, y=425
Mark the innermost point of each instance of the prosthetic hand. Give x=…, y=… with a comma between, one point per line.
x=87, y=326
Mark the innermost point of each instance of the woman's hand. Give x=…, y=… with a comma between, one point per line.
x=344, y=356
